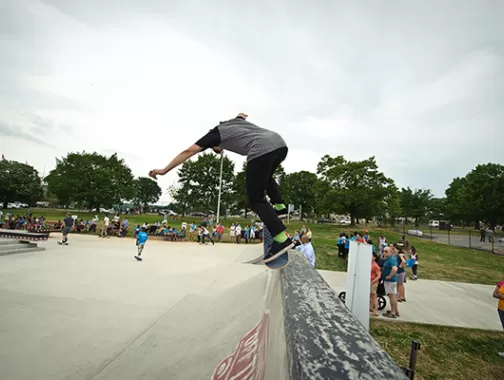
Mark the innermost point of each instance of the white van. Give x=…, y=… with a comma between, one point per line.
x=434, y=223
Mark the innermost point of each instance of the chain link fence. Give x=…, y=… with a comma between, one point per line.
x=458, y=236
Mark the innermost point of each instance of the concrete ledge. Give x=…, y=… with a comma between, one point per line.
x=324, y=340
x=23, y=235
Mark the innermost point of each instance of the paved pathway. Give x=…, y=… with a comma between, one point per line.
x=463, y=241
x=440, y=302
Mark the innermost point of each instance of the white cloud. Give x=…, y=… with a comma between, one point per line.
x=148, y=78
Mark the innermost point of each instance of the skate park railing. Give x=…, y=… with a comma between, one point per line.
x=323, y=339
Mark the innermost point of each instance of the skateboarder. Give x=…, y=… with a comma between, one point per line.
x=68, y=224
x=141, y=240
x=265, y=151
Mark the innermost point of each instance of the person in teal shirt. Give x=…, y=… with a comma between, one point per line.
x=140, y=242
x=389, y=275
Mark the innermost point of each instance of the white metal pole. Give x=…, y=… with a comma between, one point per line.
x=220, y=186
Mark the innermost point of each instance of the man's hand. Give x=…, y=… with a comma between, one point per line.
x=155, y=172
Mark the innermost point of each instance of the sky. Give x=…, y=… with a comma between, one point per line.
x=419, y=85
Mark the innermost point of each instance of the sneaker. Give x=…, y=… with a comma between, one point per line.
x=277, y=249
x=138, y=258
x=282, y=214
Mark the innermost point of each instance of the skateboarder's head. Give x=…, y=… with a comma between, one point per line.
x=242, y=115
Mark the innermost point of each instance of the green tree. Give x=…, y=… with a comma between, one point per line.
x=146, y=191
x=479, y=196
x=437, y=208
x=240, y=201
x=353, y=187
x=91, y=179
x=199, y=179
x=415, y=203
x=240, y=197
x=301, y=190
x=181, y=196
x=19, y=182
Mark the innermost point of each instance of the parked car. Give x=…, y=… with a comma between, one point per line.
x=16, y=205
x=433, y=223
x=325, y=220
x=345, y=222
x=167, y=213
x=197, y=214
x=104, y=210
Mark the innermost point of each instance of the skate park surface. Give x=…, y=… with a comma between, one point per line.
x=89, y=310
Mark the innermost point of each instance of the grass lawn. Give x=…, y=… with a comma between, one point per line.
x=446, y=352
x=437, y=261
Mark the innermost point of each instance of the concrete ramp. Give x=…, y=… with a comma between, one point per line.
x=217, y=337
x=252, y=254
x=277, y=325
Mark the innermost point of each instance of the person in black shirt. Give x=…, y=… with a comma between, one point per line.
x=68, y=224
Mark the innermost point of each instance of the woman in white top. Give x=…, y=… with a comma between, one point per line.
x=232, y=232
x=382, y=240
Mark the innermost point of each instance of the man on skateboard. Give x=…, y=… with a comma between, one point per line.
x=68, y=222
x=265, y=151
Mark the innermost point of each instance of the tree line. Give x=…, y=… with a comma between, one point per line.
x=337, y=187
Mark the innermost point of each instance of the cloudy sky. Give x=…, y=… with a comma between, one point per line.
x=418, y=84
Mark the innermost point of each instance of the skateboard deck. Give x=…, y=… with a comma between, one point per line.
x=281, y=261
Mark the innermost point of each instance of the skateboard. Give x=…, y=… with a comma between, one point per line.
x=61, y=243
x=281, y=261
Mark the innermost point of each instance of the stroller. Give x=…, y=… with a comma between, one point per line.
x=380, y=292
x=382, y=301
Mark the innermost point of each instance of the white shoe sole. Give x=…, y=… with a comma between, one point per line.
x=279, y=253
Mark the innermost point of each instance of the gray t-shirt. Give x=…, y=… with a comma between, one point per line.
x=239, y=136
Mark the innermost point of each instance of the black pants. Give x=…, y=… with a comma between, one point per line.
x=208, y=237
x=259, y=180
x=415, y=269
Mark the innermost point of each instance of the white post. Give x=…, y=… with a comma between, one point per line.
x=220, y=186
x=358, y=280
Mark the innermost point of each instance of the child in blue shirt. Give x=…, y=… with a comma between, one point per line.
x=140, y=242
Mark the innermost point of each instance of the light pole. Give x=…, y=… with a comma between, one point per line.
x=220, y=186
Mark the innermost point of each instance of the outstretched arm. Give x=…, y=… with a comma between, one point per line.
x=179, y=159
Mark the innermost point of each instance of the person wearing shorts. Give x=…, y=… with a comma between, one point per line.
x=389, y=275
x=140, y=242
x=401, y=276
x=67, y=227
x=265, y=151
